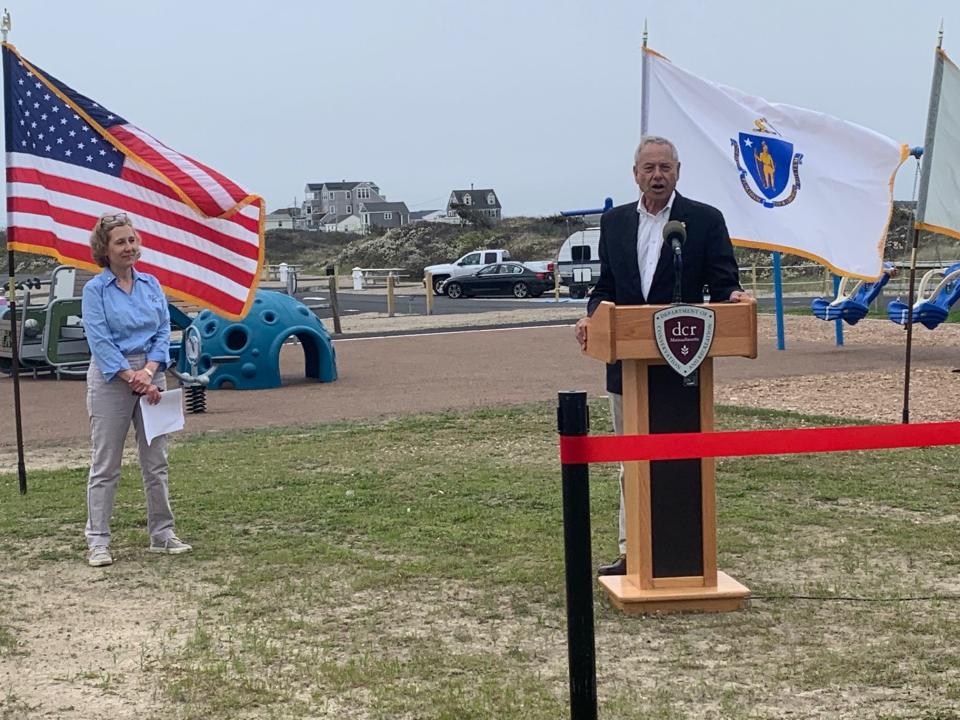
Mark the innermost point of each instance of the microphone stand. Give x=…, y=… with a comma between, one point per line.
x=693, y=379
x=677, y=273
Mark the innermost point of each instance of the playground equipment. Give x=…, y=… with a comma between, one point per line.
x=934, y=305
x=214, y=352
x=245, y=354
x=194, y=382
x=51, y=336
x=852, y=305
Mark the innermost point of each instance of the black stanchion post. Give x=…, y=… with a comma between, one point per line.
x=572, y=419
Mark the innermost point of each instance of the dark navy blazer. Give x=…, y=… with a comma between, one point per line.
x=708, y=260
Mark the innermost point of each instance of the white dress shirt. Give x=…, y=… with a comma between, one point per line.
x=650, y=240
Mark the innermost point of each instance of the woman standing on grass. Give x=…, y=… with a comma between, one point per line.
x=127, y=324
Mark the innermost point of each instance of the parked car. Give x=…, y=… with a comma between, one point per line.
x=473, y=261
x=509, y=278
x=467, y=265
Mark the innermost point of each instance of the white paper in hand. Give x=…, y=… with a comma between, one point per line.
x=164, y=417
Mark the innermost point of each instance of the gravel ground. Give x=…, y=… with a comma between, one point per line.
x=870, y=394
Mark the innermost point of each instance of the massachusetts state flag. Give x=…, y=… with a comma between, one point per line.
x=785, y=178
x=69, y=160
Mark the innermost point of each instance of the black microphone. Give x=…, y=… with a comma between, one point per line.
x=676, y=234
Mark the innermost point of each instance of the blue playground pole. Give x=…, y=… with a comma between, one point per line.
x=778, y=299
x=607, y=204
x=839, y=321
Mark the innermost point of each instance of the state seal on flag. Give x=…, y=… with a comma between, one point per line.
x=768, y=163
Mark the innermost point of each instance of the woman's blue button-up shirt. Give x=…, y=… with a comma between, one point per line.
x=117, y=323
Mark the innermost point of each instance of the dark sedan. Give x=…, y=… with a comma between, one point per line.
x=500, y=279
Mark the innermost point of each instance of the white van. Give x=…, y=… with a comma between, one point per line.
x=578, y=261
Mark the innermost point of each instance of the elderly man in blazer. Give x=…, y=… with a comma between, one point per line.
x=636, y=266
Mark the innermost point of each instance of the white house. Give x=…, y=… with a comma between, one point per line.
x=282, y=219
x=350, y=223
x=430, y=216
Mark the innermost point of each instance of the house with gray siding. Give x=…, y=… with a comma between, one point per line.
x=328, y=204
x=384, y=214
x=483, y=201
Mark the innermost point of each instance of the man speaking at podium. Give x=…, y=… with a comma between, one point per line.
x=637, y=265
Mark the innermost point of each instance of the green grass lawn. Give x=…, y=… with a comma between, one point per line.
x=413, y=568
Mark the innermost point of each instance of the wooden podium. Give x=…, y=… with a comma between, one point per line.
x=670, y=505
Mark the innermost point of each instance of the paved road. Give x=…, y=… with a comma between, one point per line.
x=359, y=302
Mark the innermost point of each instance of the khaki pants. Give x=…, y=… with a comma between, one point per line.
x=616, y=414
x=112, y=406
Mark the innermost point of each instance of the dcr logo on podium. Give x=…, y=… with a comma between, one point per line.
x=684, y=334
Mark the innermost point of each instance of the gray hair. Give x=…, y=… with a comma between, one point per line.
x=655, y=140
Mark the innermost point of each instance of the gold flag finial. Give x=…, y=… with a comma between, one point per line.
x=5, y=24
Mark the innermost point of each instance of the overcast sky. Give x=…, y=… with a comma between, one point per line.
x=538, y=99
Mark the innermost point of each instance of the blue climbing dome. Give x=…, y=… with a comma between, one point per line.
x=930, y=310
x=257, y=340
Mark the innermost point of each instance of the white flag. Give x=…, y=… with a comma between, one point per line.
x=784, y=177
x=938, y=206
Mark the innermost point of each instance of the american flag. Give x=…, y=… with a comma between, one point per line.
x=69, y=160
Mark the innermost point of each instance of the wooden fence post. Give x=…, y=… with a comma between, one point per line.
x=391, y=300
x=428, y=288
x=335, y=305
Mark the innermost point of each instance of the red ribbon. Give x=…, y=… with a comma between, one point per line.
x=581, y=449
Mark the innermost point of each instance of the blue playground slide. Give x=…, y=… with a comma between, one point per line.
x=933, y=307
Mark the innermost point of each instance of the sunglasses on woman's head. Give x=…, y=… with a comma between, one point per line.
x=117, y=219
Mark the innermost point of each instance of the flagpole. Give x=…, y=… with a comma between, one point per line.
x=919, y=212
x=644, y=77
x=5, y=25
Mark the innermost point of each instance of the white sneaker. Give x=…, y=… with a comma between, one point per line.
x=170, y=546
x=99, y=556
